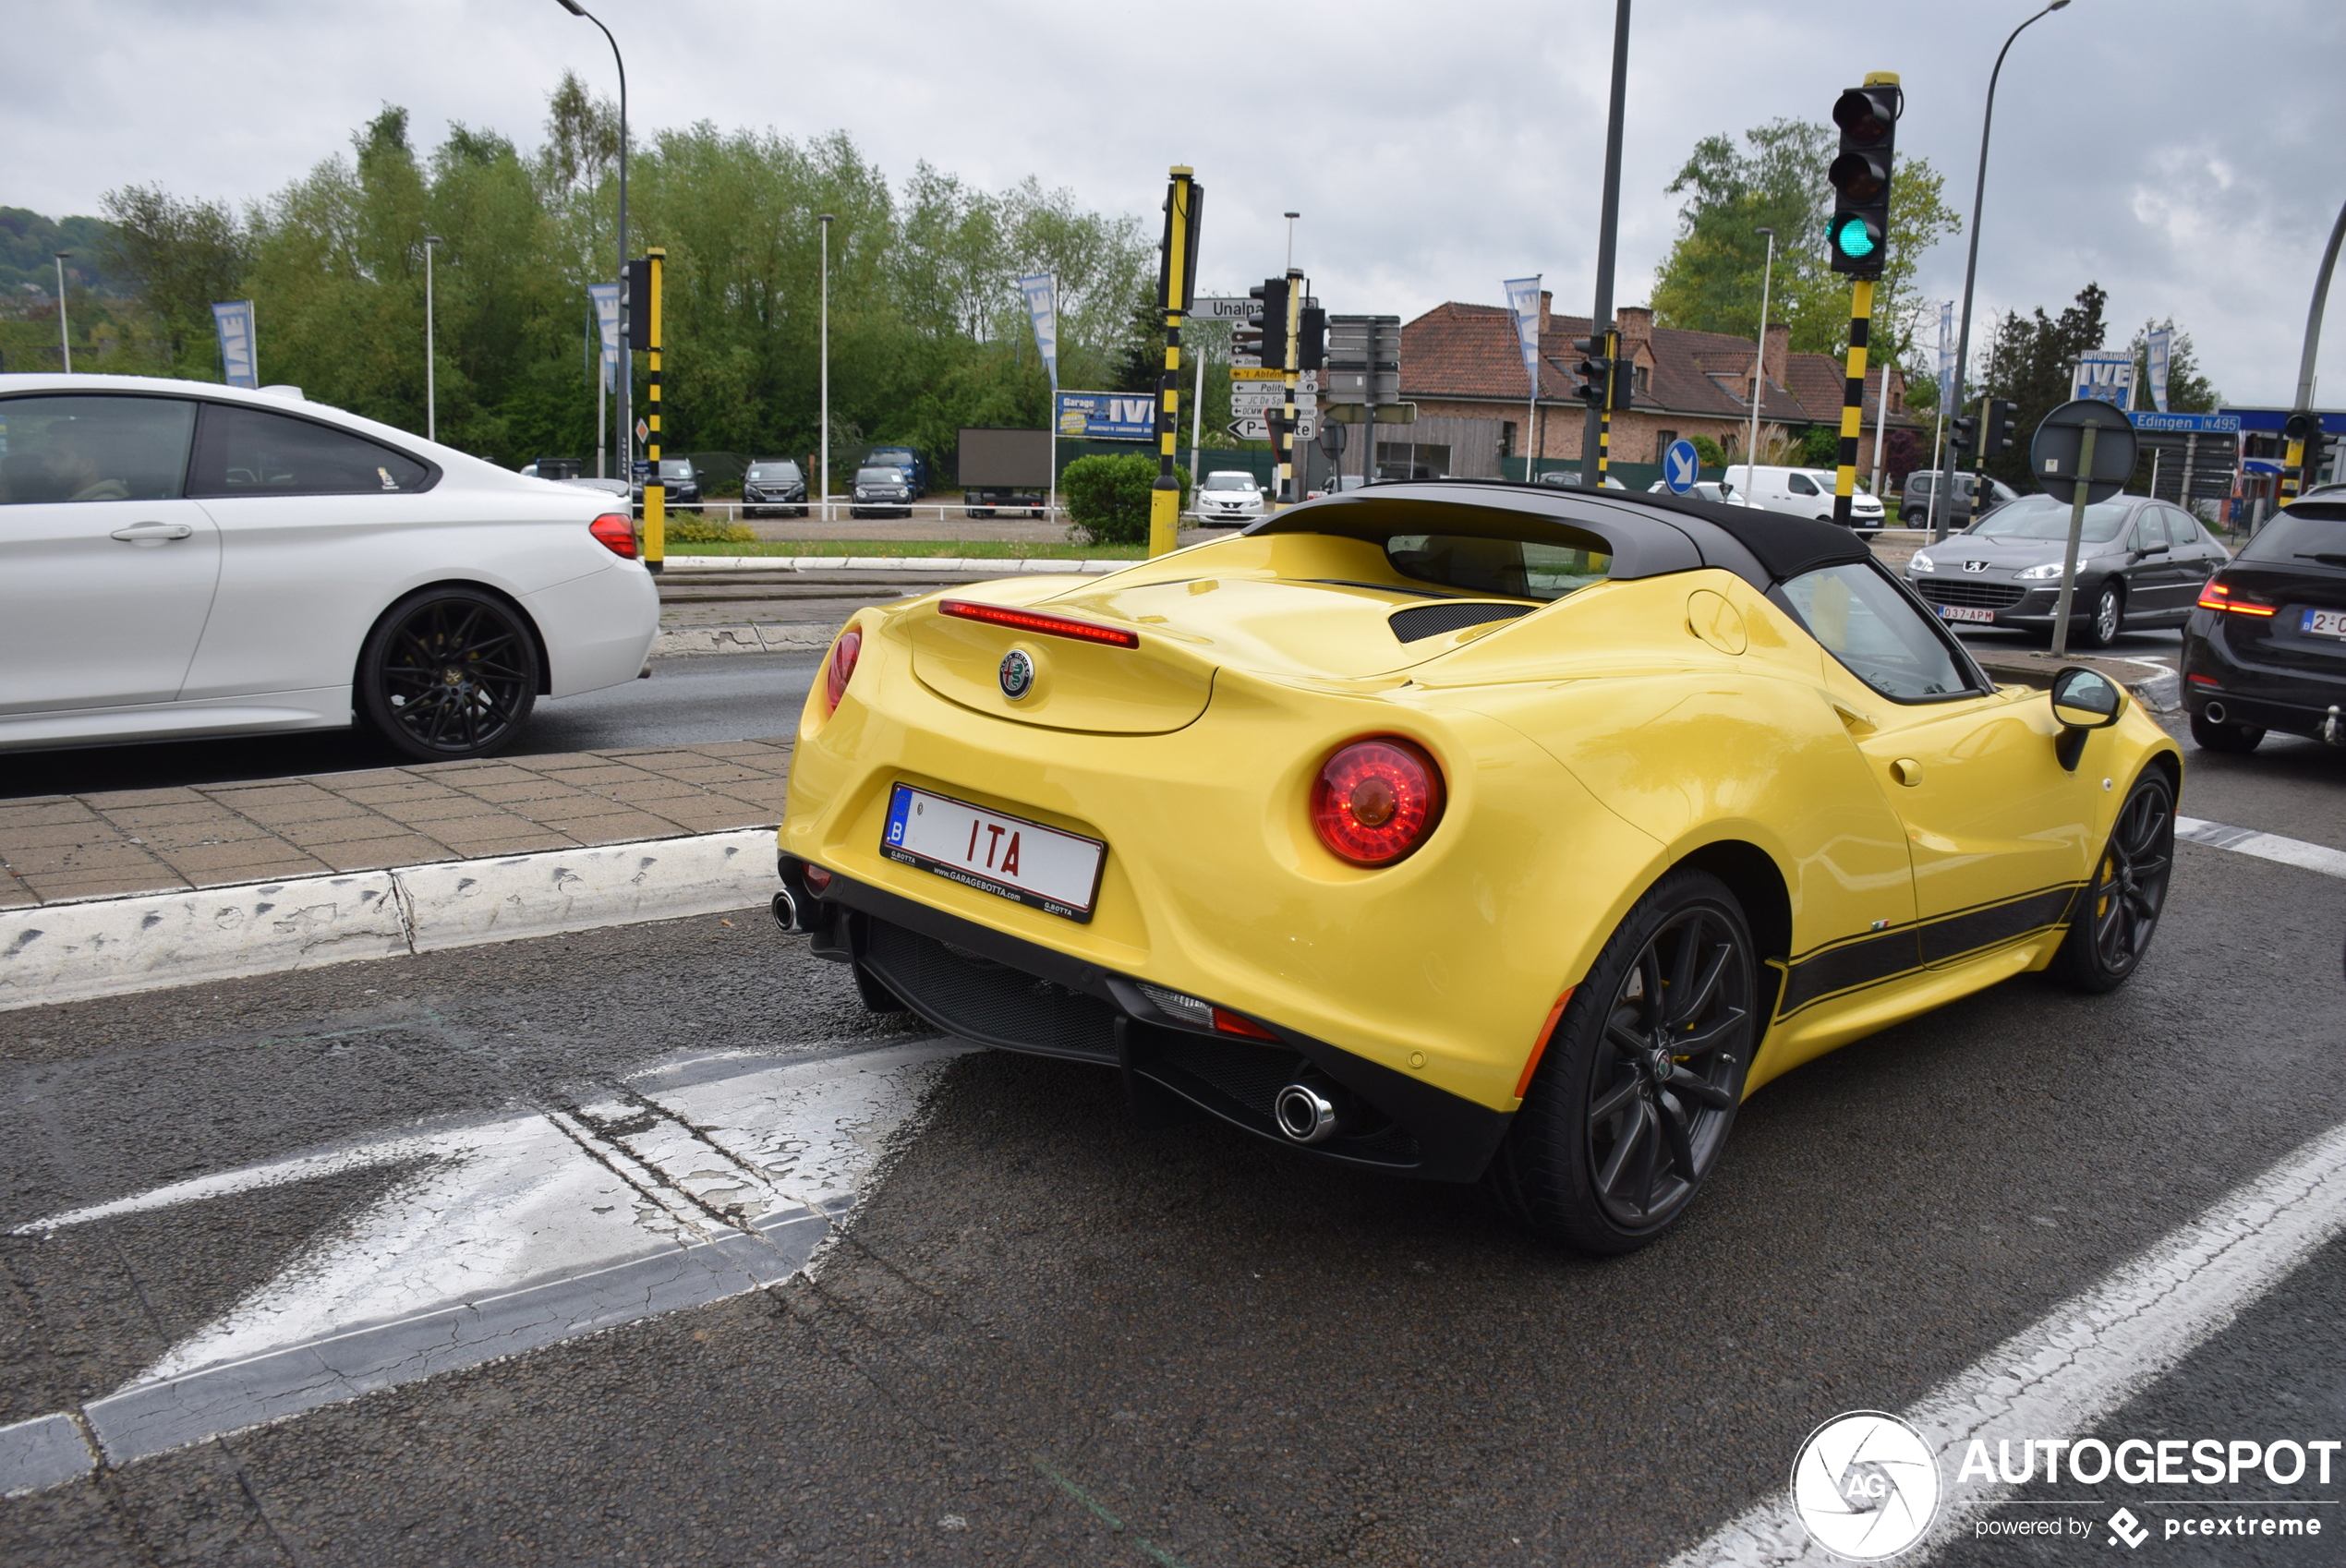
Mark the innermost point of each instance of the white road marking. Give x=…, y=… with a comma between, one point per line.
x=2264, y=846
x=701, y=1177
x=2094, y=1352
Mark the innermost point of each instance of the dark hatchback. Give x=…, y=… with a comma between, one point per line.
x=2266, y=646
x=2140, y=564
x=773, y=485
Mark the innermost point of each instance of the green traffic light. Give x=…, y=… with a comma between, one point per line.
x=1854, y=239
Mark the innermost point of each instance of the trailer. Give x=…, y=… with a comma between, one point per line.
x=1005, y=471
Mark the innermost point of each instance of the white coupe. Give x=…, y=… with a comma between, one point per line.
x=179, y=559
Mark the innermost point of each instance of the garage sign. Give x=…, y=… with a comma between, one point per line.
x=1108, y=416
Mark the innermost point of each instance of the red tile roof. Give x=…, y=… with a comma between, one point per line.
x=1469, y=353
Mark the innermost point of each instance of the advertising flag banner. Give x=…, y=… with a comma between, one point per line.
x=1523, y=299
x=1042, y=292
x=1946, y=350
x=2161, y=343
x=606, y=298
x=2107, y=374
x=239, y=358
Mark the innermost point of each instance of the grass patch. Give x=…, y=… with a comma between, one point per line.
x=918, y=550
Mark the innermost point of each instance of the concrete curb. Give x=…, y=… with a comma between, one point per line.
x=998, y=567
x=73, y=952
x=792, y=637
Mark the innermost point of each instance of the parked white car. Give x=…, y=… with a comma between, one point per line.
x=180, y=559
x=1228, y=497
x=1805, y=492
x=1704, y=489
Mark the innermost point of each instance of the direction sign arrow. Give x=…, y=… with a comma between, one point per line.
x=1249, y=429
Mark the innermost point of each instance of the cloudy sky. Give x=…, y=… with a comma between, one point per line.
x=2181, y=154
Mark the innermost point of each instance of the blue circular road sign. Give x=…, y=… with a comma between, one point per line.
x=1680, y=465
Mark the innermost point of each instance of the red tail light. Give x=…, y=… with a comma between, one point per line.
x=2218, y=595
x=617, y=532
x=840, y=668
x=1037, y=621
x=1376, y=801
x=1229, y=1022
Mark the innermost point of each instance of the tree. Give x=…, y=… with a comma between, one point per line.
x=2029, y=360
x=1711, y=279
x=180, y=257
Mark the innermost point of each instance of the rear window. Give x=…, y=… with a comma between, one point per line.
x=2309, y=531
x=1509, y=568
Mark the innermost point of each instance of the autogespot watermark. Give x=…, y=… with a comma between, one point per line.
x=1867, y=1487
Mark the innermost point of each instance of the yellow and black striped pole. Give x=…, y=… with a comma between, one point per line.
x=655, y=492
x=1288, y=492
x=1853, y=400
x=1180, y=267
x=1615, y=379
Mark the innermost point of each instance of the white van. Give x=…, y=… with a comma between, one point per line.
x=1805, y=492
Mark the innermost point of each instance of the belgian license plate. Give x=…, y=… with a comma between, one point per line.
x=2325, y=622
x=1966, y=612
x=1008, y=856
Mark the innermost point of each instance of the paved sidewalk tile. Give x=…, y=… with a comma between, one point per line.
x=57, y=848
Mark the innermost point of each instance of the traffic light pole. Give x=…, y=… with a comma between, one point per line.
x=1853, y=399
x=1596, y=432
x=1287, y=491
x=1180, y=265
x=2297, y=469
x=655, y=492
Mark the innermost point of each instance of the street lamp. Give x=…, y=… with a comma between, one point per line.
x=823, y=438
x=431, y=367
x=65, y=338
x=1759, y=367
x=1291, y=217
x=627, y=361
x=1944, y=504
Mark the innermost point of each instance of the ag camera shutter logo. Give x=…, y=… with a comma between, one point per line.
x=1866, y=1485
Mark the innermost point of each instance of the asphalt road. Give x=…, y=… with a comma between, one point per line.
x=1047, y=1338
x=685, y=701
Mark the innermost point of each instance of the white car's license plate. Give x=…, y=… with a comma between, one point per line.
x=2325, y=622
x=1965, y=612
x=1009, y=856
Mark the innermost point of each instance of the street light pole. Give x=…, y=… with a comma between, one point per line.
x=1291, y=217
x=626, y=361
x=1971, y=270
x=1759, y=367
x=65, y=338
x=2309, y=456
x=823, y=438
x=431, y=367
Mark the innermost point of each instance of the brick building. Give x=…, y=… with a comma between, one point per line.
x=1461, y=366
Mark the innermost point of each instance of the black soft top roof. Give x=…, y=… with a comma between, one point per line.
x=1650, y=533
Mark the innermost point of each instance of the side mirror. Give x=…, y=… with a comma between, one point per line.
x=2083, y=701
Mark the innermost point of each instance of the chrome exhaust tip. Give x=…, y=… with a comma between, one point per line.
x=785, y=911
x=2213, y=711
x=1305, y=1114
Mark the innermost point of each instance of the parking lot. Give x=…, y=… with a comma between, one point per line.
x=1033, y=1333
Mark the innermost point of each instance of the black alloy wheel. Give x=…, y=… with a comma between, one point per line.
x=2108, y=615
x=1631, y=1109
x=448, y=674
x=2233, y=740
x=2114, y=918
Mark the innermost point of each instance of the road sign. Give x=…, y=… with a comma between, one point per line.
x=1254, y=428
x=643, y=433
x=2053, y=455
x=1223, y=307
x=1680, y=464
x=2187, y=424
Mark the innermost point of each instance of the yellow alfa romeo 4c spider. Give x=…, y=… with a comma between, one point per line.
x=1464, y=830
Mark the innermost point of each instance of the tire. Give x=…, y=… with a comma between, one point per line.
x=1605, y=1154
x=2107, y=619
x=448, y=674
x=2233, y=739
x=2117, y=913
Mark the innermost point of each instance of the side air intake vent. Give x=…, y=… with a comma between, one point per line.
x=1422, y=620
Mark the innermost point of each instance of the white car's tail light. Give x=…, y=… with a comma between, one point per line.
x=617, y=532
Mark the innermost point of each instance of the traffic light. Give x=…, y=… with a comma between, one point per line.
x=634, y=300
x=1860, y=231
x=1273, y=294
x=1999, y=425
x=1962, y=432
x=2301, y=428
x=1594, y=372
x=1311, y=343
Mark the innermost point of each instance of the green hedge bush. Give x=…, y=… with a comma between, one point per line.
x=1109, y=496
